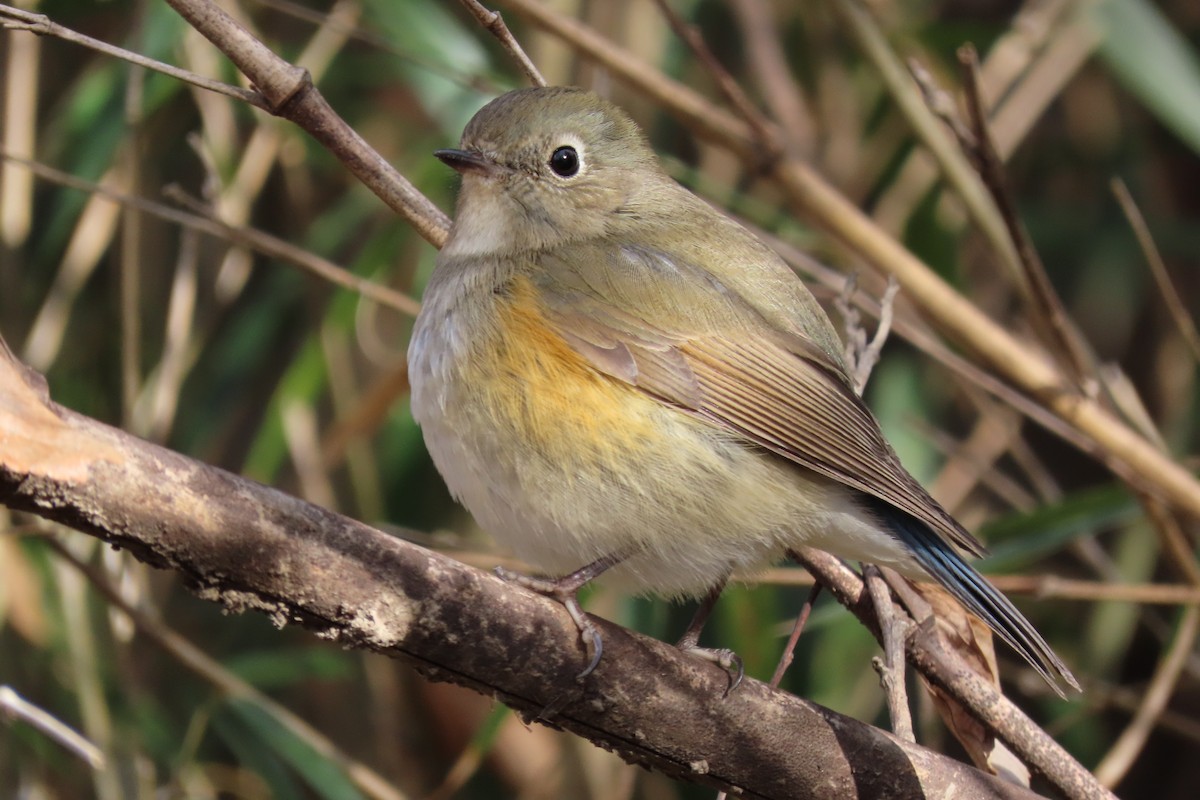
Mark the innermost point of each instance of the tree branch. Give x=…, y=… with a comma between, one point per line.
x=248, y=546
x=290, y=94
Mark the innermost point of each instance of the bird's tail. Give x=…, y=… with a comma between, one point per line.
x=976, y=593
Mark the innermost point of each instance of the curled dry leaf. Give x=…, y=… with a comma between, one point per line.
x=972, y=640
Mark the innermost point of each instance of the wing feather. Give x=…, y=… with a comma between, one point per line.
x=780, y=389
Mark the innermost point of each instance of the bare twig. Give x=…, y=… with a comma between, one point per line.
x=868, y=356
x=248, y=237
x=789, y=649
x=1024, y=72
x=16, y=19
x=781, y=92
x=893, y=627
x=290, y=94
x=1175, y=305
x=943, y=105
x=860, y=21
x=493, y=23
x=1046, y=311
x=767, y=134
x=862, y=354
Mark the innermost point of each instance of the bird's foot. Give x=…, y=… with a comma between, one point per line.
x=727, y=660
x=566, y=591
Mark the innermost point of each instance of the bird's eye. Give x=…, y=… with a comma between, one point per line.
x=565, y=162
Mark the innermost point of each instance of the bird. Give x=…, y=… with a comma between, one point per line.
x=620, y=382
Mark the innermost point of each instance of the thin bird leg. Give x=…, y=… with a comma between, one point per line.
x=728, y=660
x=565, y=590
x=785, y=659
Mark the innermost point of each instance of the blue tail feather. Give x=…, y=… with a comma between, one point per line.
x=943, y=563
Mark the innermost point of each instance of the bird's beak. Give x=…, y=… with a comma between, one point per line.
x=466, y=161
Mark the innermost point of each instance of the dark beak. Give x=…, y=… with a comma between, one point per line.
x=464, y=161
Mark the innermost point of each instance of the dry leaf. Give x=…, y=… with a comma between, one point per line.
x=967, y=635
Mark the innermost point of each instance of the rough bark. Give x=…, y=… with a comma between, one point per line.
x=247, y=546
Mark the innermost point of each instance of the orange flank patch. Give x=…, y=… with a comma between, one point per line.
x=553, y=398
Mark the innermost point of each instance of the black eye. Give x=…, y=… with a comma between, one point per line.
x=565, y=162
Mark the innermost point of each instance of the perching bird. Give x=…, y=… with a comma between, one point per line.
x=615, y=378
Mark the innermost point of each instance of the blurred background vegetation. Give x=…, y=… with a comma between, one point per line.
x=241, y=360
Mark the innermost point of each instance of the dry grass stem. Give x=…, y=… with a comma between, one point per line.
x=1117, y=762
x=13, y=707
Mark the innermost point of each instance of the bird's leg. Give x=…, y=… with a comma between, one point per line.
x=566, y=590
x=728, y=660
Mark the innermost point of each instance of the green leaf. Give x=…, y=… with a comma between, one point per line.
x=1153, y=61
x=1030, y=536
x=323, y=775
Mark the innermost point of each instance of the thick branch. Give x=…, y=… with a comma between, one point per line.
x=248, y=546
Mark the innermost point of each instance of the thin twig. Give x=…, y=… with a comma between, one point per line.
x=1024, y=72
x=1175, y=305
x=862, y=354
x=870, y=356
x=493, y=23
x=15, y=707
x=290, y=94
x=1047, y=312
x=945, y=669
x=894, y=628
x=763, y=45
x=21, y=20
x=943, y=105
x=789, y=650
x=766, y=133
x=860, y=20
x=248, y=237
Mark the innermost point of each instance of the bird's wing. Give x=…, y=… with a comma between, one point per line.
x=681, y=335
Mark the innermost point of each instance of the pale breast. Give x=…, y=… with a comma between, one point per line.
x=565, y=465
